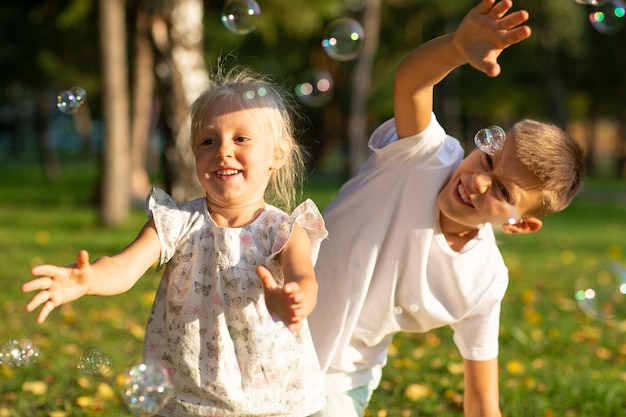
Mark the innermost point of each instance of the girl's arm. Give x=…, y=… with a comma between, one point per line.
x=106, y=276
x=296, y=299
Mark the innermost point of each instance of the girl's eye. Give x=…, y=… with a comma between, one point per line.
x=240, y=139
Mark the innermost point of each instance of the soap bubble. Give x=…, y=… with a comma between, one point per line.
x=601, y=292
x=69, y=101
x=316, y=89
x=343, y=39
x=609, y=18
x=490, y=140
x=19, y=352
x=94, y=362
x=592, y=2
x=241, y=16
x=147, y=388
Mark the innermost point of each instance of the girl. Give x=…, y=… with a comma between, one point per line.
x=236, y=268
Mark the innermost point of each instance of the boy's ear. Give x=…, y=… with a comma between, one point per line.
x=523, y=226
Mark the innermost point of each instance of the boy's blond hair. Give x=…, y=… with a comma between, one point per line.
x=245, y=89
x=555, y=158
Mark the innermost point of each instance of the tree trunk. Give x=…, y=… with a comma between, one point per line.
x=183, y=76
x=143, y=105
x=115, y=191
x=361, y=81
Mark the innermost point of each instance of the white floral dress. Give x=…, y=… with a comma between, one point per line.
x=209, y=323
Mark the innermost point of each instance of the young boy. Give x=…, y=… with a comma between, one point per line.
x=411, y=247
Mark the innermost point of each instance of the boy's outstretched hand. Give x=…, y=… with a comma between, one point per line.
x=57, y=285
x=487, y=30
x=284, y=303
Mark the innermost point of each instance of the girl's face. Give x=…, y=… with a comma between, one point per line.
x=235, y=152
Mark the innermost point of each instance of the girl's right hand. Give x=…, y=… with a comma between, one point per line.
x=57, y=285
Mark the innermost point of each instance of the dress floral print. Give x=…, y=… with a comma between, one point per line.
x=209, y=323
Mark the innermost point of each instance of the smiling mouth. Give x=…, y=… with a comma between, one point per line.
x=227, y=172
x=463, y=195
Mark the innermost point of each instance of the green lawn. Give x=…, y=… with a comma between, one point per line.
x=555, y=360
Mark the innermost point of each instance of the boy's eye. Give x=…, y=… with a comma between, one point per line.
x=489, y=160
x=207, y=141
x=501, y=189
x=503, y=192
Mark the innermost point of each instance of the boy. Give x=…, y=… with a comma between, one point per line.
x=410, y=244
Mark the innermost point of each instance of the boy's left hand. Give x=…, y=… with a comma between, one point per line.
x=487, y=30
x=284, y=303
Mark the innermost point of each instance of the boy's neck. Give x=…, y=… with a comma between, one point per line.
x=457, y=235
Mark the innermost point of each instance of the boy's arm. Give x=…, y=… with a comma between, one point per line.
x=481, y=389
x=480, y=38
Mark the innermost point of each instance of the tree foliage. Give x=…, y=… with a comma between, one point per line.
x=566, y=72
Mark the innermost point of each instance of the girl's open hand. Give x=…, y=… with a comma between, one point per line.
x=57, y=285
x=283, y=303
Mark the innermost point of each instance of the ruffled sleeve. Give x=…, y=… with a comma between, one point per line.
x=172, y=221
x=308, y=216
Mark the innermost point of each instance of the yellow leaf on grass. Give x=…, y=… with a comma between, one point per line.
x=515, y=367
x=456, y=368
x=57, y=413
x=105, y=391
x=414, y=392
x=85, y=401
x=35, y=387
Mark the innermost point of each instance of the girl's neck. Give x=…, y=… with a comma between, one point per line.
x=237, y=216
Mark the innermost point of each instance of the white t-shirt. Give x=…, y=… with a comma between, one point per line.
x=386, y=266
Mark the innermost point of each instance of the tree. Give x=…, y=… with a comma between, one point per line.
x=115, y=186
x=142, y=104
x=361, y=81
x=179, y=38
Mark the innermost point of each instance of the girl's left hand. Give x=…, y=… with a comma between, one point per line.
x=283, y=303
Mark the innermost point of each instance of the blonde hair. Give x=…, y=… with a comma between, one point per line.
x=245, y=89
x=555, y=159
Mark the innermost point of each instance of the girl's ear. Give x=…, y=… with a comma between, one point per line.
x=281, y=151
x=523, y=226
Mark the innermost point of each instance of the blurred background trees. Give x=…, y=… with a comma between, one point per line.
x=135, y=123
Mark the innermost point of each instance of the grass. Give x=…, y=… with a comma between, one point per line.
x=555, y=360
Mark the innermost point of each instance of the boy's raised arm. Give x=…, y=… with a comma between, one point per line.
x=480, y=38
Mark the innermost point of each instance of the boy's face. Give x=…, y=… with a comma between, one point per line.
x=497, y=189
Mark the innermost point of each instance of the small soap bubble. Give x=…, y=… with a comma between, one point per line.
x=19, y=352
x=241, y=16
x=343, y=39
x=601, y=292
x=147, y=388
x=94, y=361
x=490, y=140
x=316, y=88
x=592, y=2
x=513, y=215
x=69, y=101
x=609, y=18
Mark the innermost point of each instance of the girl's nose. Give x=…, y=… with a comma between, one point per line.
x=224, y=151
